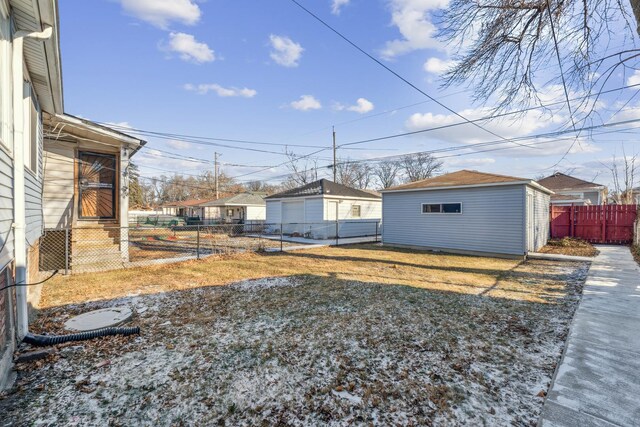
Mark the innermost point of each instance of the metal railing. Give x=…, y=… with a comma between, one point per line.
x=88, y=249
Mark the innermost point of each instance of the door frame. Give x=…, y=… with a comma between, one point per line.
x=114, y=192
x=530, y=212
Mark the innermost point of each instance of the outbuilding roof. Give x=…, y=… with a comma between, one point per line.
x=560, y=181
x=327, y=188
x=465, y=178
x=242, y=199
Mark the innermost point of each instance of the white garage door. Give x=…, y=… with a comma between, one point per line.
x=293, y=212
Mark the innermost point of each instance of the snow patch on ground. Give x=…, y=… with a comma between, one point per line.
x=326, y=353
x=265, y=284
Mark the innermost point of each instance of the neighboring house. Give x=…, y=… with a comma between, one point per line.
x=244, y=208
x=468, y=212
x=314, y=210
x=185, y=208
x=574, y=191
x=86, y=193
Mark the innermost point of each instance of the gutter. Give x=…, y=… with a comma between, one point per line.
x=19, y=198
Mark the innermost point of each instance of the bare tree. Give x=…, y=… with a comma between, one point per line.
x=386, y=172
x=354, y=174
x=502, y=46
x=416, y=167
x=623, y=173
x=304, y=170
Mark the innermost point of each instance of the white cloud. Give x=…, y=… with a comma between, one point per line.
x=336, y=5
x=162, y=12
x=634, y=79
x=362, y=106
x=285, y=51
x=306, y=103
x=510, y=127
x=189, y=49
x=413, y=19
x=178, y=145
x=224, y=92
x=437, y=65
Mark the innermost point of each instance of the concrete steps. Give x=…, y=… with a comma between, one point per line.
x=95, y=249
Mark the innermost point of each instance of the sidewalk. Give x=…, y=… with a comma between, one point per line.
x=598, y=380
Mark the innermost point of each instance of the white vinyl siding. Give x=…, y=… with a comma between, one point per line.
x=6, y=208
x=255, y=213
x=491, y=220
x=541, y=220
x=5, y=84
x=369, y=209
x=58, y=185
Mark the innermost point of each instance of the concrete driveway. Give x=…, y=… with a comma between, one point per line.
x=598, y=380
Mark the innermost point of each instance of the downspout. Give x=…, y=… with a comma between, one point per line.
x=19, y=203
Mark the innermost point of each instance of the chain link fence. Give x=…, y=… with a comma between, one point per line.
x=90, y=249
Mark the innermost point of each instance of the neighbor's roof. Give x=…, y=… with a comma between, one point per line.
x=186, y=203
x=242, y=199
x=556, y=197
x=560, y=181
x=326, y=188
x=465, y=178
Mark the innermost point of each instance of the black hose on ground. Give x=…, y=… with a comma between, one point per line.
x=46, y=340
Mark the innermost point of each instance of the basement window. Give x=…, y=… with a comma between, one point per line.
x=442, y=208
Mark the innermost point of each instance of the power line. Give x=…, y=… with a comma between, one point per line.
x=490, y=117
x=377, y=61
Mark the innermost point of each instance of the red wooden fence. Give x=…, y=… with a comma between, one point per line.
x=596, y=224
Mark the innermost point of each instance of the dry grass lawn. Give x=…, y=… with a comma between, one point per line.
x=366, y=263
x=345, y=336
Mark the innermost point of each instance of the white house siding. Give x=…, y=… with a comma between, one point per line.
x=256, y=213
x=491, y=220
x=6, y=208
x=58, y=185
x=541, y=221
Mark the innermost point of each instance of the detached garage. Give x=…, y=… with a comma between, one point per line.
x=468, y=212
x=318, y=209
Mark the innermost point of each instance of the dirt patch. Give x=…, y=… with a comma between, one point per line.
x=570, y=246
x=313, y=350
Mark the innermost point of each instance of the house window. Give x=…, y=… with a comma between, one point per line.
x=355, y=211
x=229, y=212
x=442, y=208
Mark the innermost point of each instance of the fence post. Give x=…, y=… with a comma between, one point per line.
x=571, y=220
x=337, y=232
x=281, y=237
x=66, y=251
x=198, y=241
x=376, y=225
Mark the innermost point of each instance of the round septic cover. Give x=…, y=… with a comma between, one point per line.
x=97, y=319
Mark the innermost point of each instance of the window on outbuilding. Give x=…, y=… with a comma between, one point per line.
x=355, y=211
x=444, y=208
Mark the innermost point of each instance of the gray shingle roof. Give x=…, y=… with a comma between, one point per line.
x=327, y=188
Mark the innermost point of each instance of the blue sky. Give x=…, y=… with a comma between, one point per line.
x=267, y=72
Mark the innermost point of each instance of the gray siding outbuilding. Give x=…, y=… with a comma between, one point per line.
x=468, y=212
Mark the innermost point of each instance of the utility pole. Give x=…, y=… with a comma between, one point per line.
x=335, y=171
x=215, y=157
